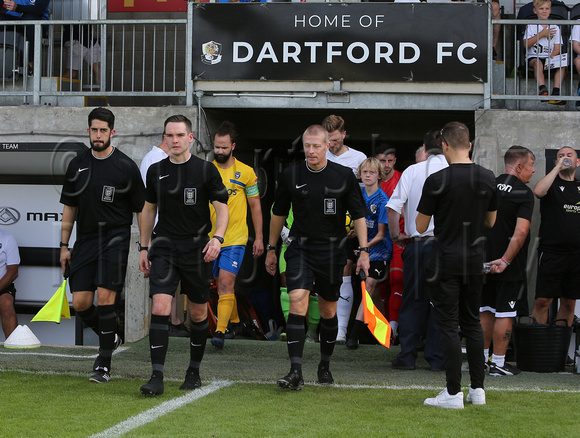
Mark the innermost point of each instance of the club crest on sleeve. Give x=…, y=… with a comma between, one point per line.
x=189, y=196
x=108, y=194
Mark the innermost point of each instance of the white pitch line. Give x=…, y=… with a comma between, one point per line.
x=69, y=356
x=160, y=410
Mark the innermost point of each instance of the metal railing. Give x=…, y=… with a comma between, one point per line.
x=98, y=58
x=131, y=59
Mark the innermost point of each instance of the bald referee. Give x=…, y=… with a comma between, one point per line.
x=320, y=193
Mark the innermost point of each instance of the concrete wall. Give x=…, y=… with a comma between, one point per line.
x=137, y=130
x=497, y=130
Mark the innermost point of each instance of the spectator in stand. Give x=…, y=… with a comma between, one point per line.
x=395, y=288
x=496, y=28
x=82, y=45
x=543, y=42
x=462, y=200
x=342, y=154
x=576, y=47
x=371, y=173
x=558, y=273
x=26, y=10
x=507, y=248
x=9, y=261
x=416, y=318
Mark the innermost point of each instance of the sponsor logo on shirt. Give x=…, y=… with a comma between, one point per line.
x=571, y=208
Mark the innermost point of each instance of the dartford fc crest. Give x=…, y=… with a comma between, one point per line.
x=211, y=53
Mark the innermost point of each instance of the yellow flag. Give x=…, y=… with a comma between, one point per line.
x=378, y=325
x=56, y=308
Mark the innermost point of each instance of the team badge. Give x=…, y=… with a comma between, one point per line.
x=211, y=53
x=330, y=206
x=108, y=194
x=189, y=196
x=237, y=175
x=373, y=209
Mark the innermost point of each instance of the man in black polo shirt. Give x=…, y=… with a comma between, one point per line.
x=559, y=251
x=180, y=188
x=102, y=189
x=462, y=200
x=320, y=193
x=507, y=248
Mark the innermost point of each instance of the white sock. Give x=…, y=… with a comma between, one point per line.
x=394, y=326
x=344, y=306
x=498, y=360
x=486, y=354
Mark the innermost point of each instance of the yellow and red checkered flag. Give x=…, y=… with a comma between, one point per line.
x=377, y=323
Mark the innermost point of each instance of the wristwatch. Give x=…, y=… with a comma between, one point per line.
x=270, y=247
x=142, y=248
x=220, y=239
x=365, y=249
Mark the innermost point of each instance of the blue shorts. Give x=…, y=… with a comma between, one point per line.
x=230, y=259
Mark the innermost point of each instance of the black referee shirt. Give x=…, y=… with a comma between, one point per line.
x=320, y=200
x=106, y=191
x=182, y=192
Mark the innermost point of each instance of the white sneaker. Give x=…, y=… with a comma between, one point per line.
x=476, y=396
x=444, y=400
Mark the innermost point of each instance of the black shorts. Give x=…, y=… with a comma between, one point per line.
x=379, y=270
x=501, y=297
x=558, y=275
x=100, y=261
x=10, y=290
x=174, y=261
x=317, y=268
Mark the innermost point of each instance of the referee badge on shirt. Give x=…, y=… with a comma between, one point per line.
x=108, y=194
x=189, y=196
x=330, y=206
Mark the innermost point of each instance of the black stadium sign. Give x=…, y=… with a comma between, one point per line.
x=386, y=42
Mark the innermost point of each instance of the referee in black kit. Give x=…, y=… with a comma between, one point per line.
x=102, y=189
x=180, y=188
x=320, y=193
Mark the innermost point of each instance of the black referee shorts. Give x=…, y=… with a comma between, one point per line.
x=100, y=260
x=173, y=261
x=317, y=268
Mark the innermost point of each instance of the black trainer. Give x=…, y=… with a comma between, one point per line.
x=235, y=329
x=192, y=381
x=505, y=370
x=154, y=386
x=218, y=340
x=293, y=380
x=101, y=375
x=325, y=376
x=352, y=343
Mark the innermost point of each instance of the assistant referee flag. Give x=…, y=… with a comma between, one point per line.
x=377, y=324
